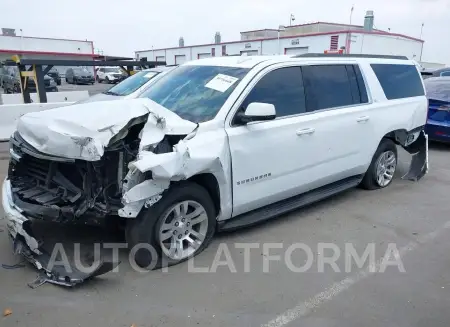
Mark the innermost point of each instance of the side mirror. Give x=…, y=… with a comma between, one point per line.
x=256, y=111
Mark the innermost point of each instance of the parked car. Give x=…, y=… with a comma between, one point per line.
x=11, y=83
x=442, y=72
x=132, y=87
x=79, y=76
x=216, y=144
x=110, y=75
x=53, y=73
x=4, y=73
x=438, y=121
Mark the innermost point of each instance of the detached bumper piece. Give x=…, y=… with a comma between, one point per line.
x=419, y=163
x=57, y=275
x=26, y=245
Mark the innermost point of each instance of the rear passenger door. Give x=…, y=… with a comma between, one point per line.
x=337, y=101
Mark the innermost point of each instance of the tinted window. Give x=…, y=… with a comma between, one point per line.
x=445, y=73
x=328, y=86
x=399, y=81
x=195, y=93
x=283, y=88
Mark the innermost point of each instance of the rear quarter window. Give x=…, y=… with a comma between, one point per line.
x=399, y=81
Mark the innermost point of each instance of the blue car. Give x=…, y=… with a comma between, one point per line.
x=438, y=122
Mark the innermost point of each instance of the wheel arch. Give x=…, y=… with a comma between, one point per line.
x=210, y=183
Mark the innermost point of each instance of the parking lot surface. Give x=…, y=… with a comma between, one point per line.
x=412, y=216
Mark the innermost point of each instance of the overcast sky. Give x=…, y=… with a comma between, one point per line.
x=121, y=27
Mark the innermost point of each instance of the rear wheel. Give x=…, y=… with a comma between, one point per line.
x=383, y=166
x=107, y=79
x=179, y=226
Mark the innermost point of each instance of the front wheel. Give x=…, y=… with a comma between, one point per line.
x=179, y=226
x=383, y=166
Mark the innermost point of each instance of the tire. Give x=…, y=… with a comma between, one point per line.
x=74, y=81
x=386, y=153
x=58, y=83
x=98, y=79
x=67, y=81
x=107, y=80
x=147, y=227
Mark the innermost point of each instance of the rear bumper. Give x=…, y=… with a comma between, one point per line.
x=19, y=229
x=438, y=132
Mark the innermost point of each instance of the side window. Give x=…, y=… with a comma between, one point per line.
x=445, y=73
x=399, y=81
x=329, y=86
x=283, y=88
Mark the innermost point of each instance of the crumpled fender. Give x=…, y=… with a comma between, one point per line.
x=191, y=156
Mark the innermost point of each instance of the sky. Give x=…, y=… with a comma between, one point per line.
x=122, y=27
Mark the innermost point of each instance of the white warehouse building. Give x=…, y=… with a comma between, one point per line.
x=44, y=48
x=316, y=37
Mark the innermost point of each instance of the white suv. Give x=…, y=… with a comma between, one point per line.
x=216, y=144
x=109, y=75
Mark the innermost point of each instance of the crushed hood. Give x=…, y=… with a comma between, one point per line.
x=82, y=131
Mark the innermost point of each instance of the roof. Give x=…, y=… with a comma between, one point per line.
x=232, y=61
x=18, y=52
x=45, y=38
x=292, y=37
x=251, y=61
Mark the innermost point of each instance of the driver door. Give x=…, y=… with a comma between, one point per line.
x=270, y=159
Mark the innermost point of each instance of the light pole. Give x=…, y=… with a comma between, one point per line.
x=351, y=14
x=21, y=40
x=281, y=28
x=421, y=49
x=291, y=19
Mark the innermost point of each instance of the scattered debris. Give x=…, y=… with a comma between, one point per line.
x=7, y=312
x=15, y=266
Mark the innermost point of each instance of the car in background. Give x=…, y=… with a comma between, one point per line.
x=53, y=73
x=79, y=76
x=132, y=87
x=442, y=72
x=110, y=75
x=438, y=121
x=4, y=73
x=11, y=83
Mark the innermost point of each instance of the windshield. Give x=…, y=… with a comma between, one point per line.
x=112, y=70
x=82, y=71
x=195, y=93
x=438, y=89
x=132, y=83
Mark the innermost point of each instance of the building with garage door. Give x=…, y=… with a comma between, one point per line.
x=316, y=37
x=44, y=48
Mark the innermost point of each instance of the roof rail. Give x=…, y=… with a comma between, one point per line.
x=336, y=55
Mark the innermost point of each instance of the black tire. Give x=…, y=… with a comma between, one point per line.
x=145, y=228
x=107, y=80
x=67, y=81
x=369, y=181
x=58, y=83
x=74, y=80
x=98, y=79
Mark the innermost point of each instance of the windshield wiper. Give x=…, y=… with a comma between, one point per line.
x=111, y=93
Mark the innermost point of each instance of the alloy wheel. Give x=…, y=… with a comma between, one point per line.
x=183, y=229
x=385, y=168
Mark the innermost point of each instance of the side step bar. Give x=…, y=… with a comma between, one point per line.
x=285, y=206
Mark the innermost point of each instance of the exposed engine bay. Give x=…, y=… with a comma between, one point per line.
x=67, y=190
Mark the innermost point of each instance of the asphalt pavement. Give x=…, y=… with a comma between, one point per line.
x=407, y=224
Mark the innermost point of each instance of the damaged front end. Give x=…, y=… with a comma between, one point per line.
x=87, y=182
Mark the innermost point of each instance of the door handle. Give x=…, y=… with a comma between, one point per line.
x=362, y=119
x=305, y=131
